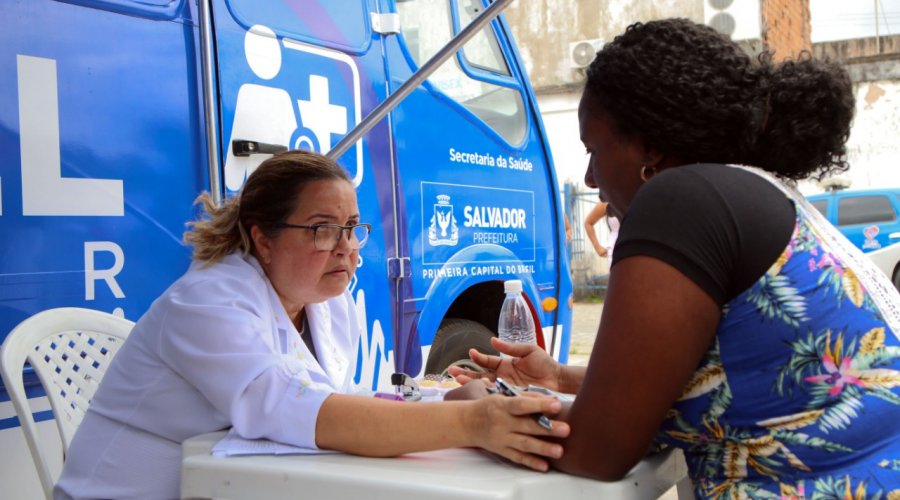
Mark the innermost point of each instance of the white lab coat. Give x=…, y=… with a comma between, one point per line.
x=216, y=350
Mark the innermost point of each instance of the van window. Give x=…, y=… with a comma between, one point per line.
x=150, y=9
x=820, y=205
x=289, y=20
x=482, y=51
x=427, y=26
x=865, y=210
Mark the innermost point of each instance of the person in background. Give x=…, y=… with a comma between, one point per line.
x=593, y=217
x=262, y=335
x=739, y=325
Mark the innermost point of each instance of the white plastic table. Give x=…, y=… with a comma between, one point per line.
x=454, y=474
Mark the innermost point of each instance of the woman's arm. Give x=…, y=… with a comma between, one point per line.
x=503, y=425
x=656, y=327
x=592, y=218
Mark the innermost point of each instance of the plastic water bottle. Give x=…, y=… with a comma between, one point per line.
x=516, y=323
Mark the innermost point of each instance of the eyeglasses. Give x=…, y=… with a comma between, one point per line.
x=327, y=236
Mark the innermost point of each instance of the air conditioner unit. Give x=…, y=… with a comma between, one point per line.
x=582, y=52
x=739, y=19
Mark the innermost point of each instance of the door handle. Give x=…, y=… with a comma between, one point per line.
x=246, y=148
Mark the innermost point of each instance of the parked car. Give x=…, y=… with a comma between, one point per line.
x=870, y=219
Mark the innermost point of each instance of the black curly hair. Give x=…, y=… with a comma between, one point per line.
x=687, y=91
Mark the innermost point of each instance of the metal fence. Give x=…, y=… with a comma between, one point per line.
x=589, y=270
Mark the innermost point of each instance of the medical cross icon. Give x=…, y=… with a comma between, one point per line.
x=319, y=115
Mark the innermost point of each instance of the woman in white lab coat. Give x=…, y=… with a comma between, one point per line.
x=261, y=335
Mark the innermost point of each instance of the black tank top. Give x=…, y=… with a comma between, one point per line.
x=723, y=227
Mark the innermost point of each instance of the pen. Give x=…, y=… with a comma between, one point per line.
x=508, y=390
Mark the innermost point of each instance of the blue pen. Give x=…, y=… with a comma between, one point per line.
x=508, y=390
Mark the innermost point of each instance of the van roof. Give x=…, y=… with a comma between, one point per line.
x=853, y=192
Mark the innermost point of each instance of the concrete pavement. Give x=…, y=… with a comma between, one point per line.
x=585, y=320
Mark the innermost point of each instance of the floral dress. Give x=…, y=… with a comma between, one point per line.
x=799, y=395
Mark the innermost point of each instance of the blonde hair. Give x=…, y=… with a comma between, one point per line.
x=268, y=198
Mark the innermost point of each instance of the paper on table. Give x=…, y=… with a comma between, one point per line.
x=234, y=445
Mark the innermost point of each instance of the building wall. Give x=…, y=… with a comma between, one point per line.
x=867, y=59
x=545, y=28
x=873, y=149
x=786, y=27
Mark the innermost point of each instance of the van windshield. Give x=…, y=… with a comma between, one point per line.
x=427, y=26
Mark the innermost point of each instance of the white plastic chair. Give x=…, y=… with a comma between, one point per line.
x=69, y=349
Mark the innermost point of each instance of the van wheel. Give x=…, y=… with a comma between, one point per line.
x=897, y=278
x=452, y=342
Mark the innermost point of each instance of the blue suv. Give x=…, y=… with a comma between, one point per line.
x=870, y=219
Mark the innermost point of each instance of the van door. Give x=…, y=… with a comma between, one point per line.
x=300, y=75
x=478, y=197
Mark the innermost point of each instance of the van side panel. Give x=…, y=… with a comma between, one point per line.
x=100, y=159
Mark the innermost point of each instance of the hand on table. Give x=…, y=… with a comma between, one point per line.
x=506, y=426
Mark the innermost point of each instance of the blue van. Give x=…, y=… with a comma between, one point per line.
x=870, y=219
x=116, y=114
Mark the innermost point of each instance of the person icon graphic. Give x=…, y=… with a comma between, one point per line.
x=262, y=114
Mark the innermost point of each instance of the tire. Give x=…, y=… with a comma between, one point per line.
x=452, y=342
x=896, y=279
